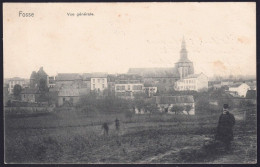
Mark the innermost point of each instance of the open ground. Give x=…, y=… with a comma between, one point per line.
x=70, y=136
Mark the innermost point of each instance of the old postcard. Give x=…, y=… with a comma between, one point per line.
x=130, y=83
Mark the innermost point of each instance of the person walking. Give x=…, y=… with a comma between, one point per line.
x=225, y=128
x=117, y=124
x=105, y=127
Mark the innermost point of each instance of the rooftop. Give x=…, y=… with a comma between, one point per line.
x=154, y=72
x=68, y=77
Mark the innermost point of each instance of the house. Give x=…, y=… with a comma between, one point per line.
x=195, y=82
x=16, y=81
x=165, y=103
x=98, y=82
x=127, y=85
x=53, y=95
x=63, y=80
x=241, y=89
x=68, y=96
x=30, y=95
x=128, y=90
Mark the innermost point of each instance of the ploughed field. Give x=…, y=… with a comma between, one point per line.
x=74, y=137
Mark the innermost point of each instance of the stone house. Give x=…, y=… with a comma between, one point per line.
x=30, y=95
x=240, y=89
x=98, y=82
x=127, y=85
x=195, y=82
x=68, y=96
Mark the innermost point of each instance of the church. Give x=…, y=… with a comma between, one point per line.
x=165, y=79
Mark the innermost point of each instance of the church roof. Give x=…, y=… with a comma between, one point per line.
x=154, y=72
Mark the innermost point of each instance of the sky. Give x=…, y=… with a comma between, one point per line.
x=220, y=37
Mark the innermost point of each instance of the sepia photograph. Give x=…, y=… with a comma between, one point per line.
x=130, y=83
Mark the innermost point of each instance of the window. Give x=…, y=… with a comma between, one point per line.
x=93, y=86
x=117, y=87
x=94, y=80
x=123, y=87
x=103, y=80
x=103, y=86
x=98, y=80
x=128, y=87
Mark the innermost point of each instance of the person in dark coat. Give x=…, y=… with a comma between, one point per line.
x=117, y=124
x=225, y=127
x=105, y=127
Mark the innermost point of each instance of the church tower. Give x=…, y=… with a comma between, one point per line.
x=184, y=65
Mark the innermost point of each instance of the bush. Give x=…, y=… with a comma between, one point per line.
x=93, y=103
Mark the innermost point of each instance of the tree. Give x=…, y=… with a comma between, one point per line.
x=151, y=107
x=177, y=109
x=43, y=85
x=188, y=109
x=17, y=91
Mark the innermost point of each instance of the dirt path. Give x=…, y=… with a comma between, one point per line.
x=160, y=156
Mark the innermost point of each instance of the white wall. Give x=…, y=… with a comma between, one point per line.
x=99, y=82
x=241, y=90
x=202, y=82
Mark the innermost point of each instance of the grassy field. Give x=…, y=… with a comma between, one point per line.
x=74, y=137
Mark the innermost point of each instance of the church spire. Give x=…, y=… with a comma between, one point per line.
x=184, y=53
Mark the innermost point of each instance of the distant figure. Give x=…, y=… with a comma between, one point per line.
x=225, y=128
x=117, y=124
x=105, y=127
